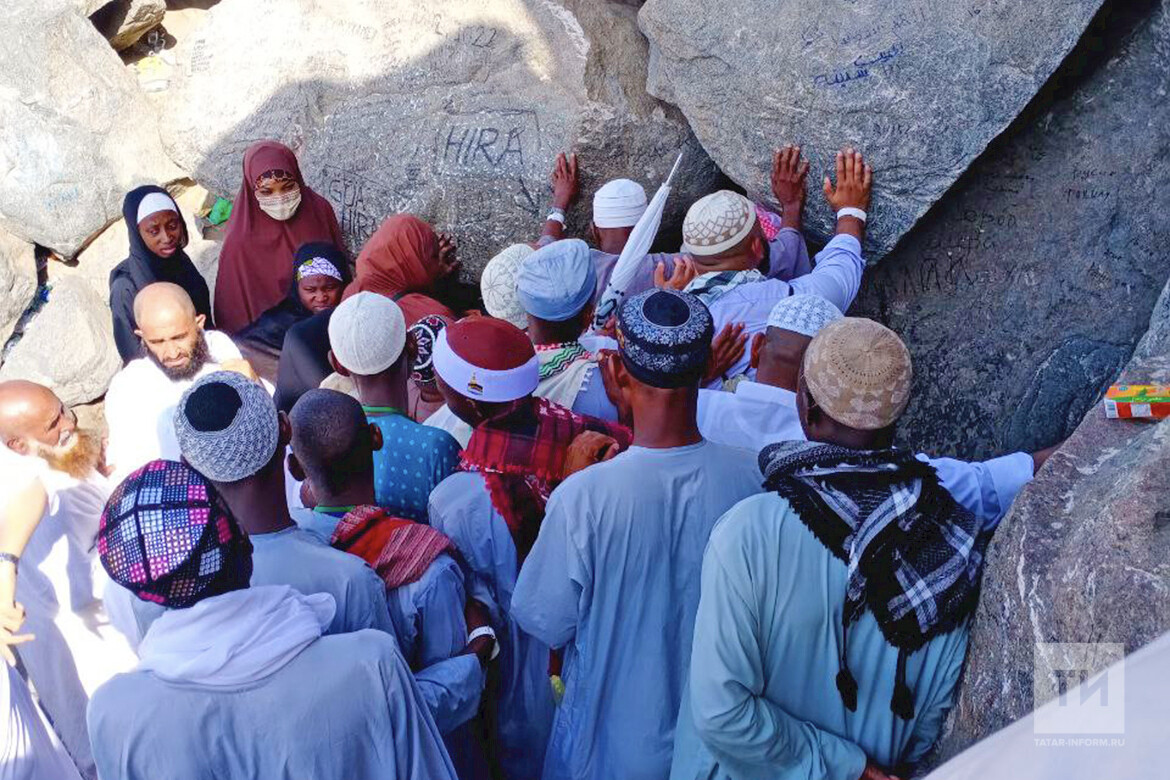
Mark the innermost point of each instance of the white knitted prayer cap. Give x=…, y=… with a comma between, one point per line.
x=498, y=285
x=619, y=203
x=803, y=313
x=367, y=333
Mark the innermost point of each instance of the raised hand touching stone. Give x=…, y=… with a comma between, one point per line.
x=852, y=191
x=789, y=179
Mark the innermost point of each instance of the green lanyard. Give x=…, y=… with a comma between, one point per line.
x=334, y=510
x=378, y=411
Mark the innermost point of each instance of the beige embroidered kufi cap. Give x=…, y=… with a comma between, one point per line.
x=858, y=371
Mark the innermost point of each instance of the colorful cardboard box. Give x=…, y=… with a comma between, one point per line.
x=1137, y=401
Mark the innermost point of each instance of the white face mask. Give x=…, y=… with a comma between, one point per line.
x=280, y=207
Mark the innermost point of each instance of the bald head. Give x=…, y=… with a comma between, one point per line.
x=171, y=331
x=162, y=300
x=333, y=441
x=32, y=414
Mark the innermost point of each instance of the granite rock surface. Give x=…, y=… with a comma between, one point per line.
x=1023, y=292
x=921, y=87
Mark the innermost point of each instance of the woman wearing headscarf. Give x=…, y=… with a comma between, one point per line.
x=158, y=235
x=319, y=277
x=273, y=215
x=406, y=261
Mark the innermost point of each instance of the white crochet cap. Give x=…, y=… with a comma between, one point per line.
x=717, y=223
x=367, y=333
x=804, y=314
x=498, y=285
x=619, y=203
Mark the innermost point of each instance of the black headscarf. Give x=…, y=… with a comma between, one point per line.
x=267, y=333
x=144, y=267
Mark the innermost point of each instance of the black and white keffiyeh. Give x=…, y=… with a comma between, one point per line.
x=914, y=555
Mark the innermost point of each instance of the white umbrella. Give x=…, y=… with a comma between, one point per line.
x=634, y=252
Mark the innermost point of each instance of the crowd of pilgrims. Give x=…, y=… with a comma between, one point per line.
x=363, y=520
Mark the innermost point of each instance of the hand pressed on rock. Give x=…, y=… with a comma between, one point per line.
x=448, y=262
x=564, y=181
x=789, y=179
x=854, y=182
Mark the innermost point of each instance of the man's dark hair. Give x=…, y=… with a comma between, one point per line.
x=331, y=439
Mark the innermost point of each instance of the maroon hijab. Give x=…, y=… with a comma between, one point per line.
x=255, y=265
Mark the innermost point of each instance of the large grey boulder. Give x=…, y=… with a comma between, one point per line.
x=68, y=346
x=1023, y=292
x=123, y=22
x=77, y=131
x=1083, y=557
x=18, y=282
x=921, y=86
x=454, y=110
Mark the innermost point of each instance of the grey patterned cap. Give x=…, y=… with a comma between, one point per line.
x=803, y=313
x=227, y=426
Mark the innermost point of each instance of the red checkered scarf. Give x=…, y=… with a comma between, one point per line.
x=522, y=459
x=399, y=550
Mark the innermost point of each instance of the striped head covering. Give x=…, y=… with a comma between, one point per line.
x=167, y=537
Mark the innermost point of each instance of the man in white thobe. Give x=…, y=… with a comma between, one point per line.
x=140, y=403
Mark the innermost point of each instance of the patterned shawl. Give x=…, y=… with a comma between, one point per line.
x=713, y=285
x=563, y=368
x=522, y=459
x=399, y=550
x=915, y=556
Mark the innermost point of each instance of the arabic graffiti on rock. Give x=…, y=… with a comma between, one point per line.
x=861, y=68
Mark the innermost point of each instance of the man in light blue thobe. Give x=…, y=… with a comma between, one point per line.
x=238, y=681
x=487, y=370
x=775, y=690
x=613, y=576
x=332, y=445
x=253, y=488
